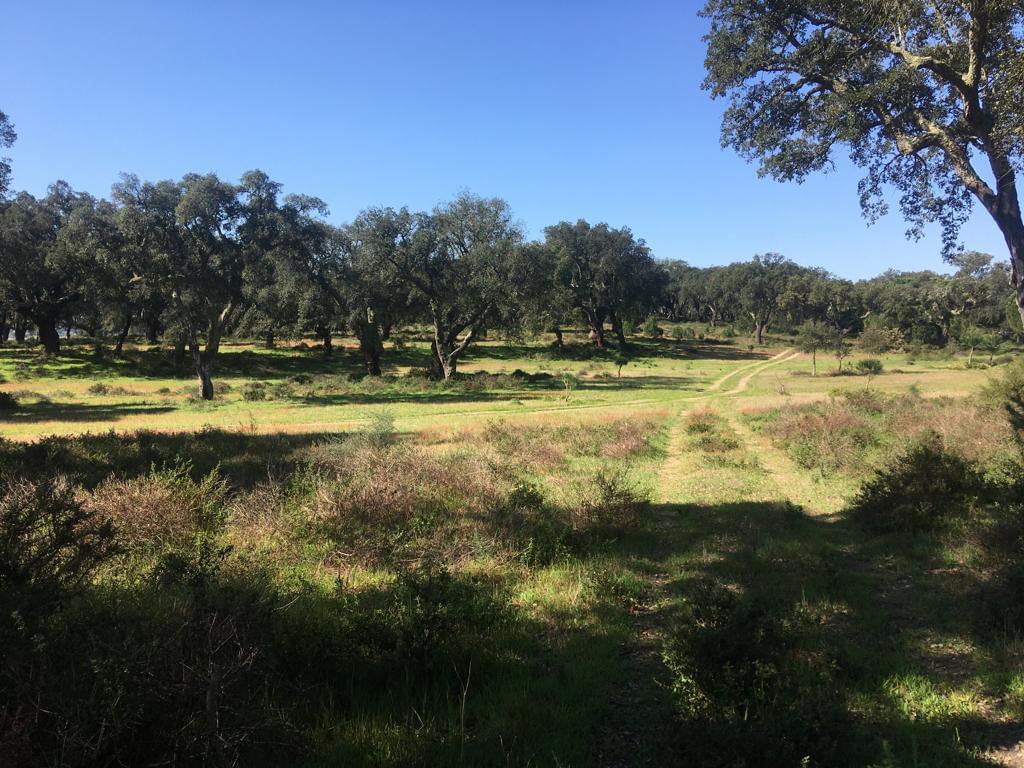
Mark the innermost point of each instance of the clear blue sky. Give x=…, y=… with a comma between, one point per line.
x=566, y=109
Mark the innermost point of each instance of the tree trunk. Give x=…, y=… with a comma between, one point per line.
x=970, y=358
x=179, y=351
x=5, y=329
x=325, y=334
x=595, y=320
x=48, y=335
x=371, y=342
x=152, y=331
x=814, y=362
x=1002, y=204
x=559, y=343
x=268, y=340
x=205, y=372
x=447, y=349
x=1016, y=244
x=446, y=361
x=125, y=330
x=20, y=329
x=204, y=358
x=761, y=328
x=371, y=347
x=714, y=316
x=619, y=334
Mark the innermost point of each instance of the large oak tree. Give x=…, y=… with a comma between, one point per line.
x=608, y=274
x=42, y=269
x=461, y=263
x=922, y=93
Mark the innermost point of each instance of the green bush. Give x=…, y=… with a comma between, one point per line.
x=254, y=391
x=870, y=366
x=754, y=682
x=614, y=506
x=651, y=328
x=925, y=489
x=8, y=402
x=877, y=340
x=539, y=533
x=1007, y=394
x=49, y=546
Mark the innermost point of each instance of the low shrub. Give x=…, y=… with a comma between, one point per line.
x=442, y=619
x=49, y=545
x=8, y=402
x=164, y=509
x=755, y=683
x=925, y=489
x=375, y=505
x=630, y=439
x=701, y=422
x=610, y=505
x=825, y=436
x=1006, y=393
x=865, y=400
x=651, y=329
x=254, y=391
x=710, y=433
x=538, y=532
x=99, y=388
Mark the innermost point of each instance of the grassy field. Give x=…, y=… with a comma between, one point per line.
x=551, y=561
x=298, y=391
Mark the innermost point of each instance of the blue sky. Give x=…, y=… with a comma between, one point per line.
x=567, y=110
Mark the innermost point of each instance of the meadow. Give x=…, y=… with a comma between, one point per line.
x=698, y=554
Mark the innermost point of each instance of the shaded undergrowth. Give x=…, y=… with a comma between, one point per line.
x=366, y=602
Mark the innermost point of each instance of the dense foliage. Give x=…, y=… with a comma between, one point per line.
x=188, y=262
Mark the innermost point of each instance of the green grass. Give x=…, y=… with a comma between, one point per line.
x=747, y=620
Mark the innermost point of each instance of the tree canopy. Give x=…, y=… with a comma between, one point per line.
x=920, y=93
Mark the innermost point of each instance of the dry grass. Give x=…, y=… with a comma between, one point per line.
x=162, y=509
x=860, y=430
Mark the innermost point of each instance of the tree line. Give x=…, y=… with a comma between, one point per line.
x=190, y=261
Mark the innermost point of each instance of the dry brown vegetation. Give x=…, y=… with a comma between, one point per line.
x=859, y=431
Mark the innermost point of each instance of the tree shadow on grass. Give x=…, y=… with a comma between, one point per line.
x=80, y=362
x=803, y=644
x=428, y=397
x=638, y=349
x=429, y=668
x=244, y=458
x=48, y=410
x=613, y=383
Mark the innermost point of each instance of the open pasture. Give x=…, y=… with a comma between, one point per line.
x=549, y=560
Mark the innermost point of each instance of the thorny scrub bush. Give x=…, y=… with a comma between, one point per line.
x=754, y=681
x=165, y=508
x=925, y=489
x=709, y=432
